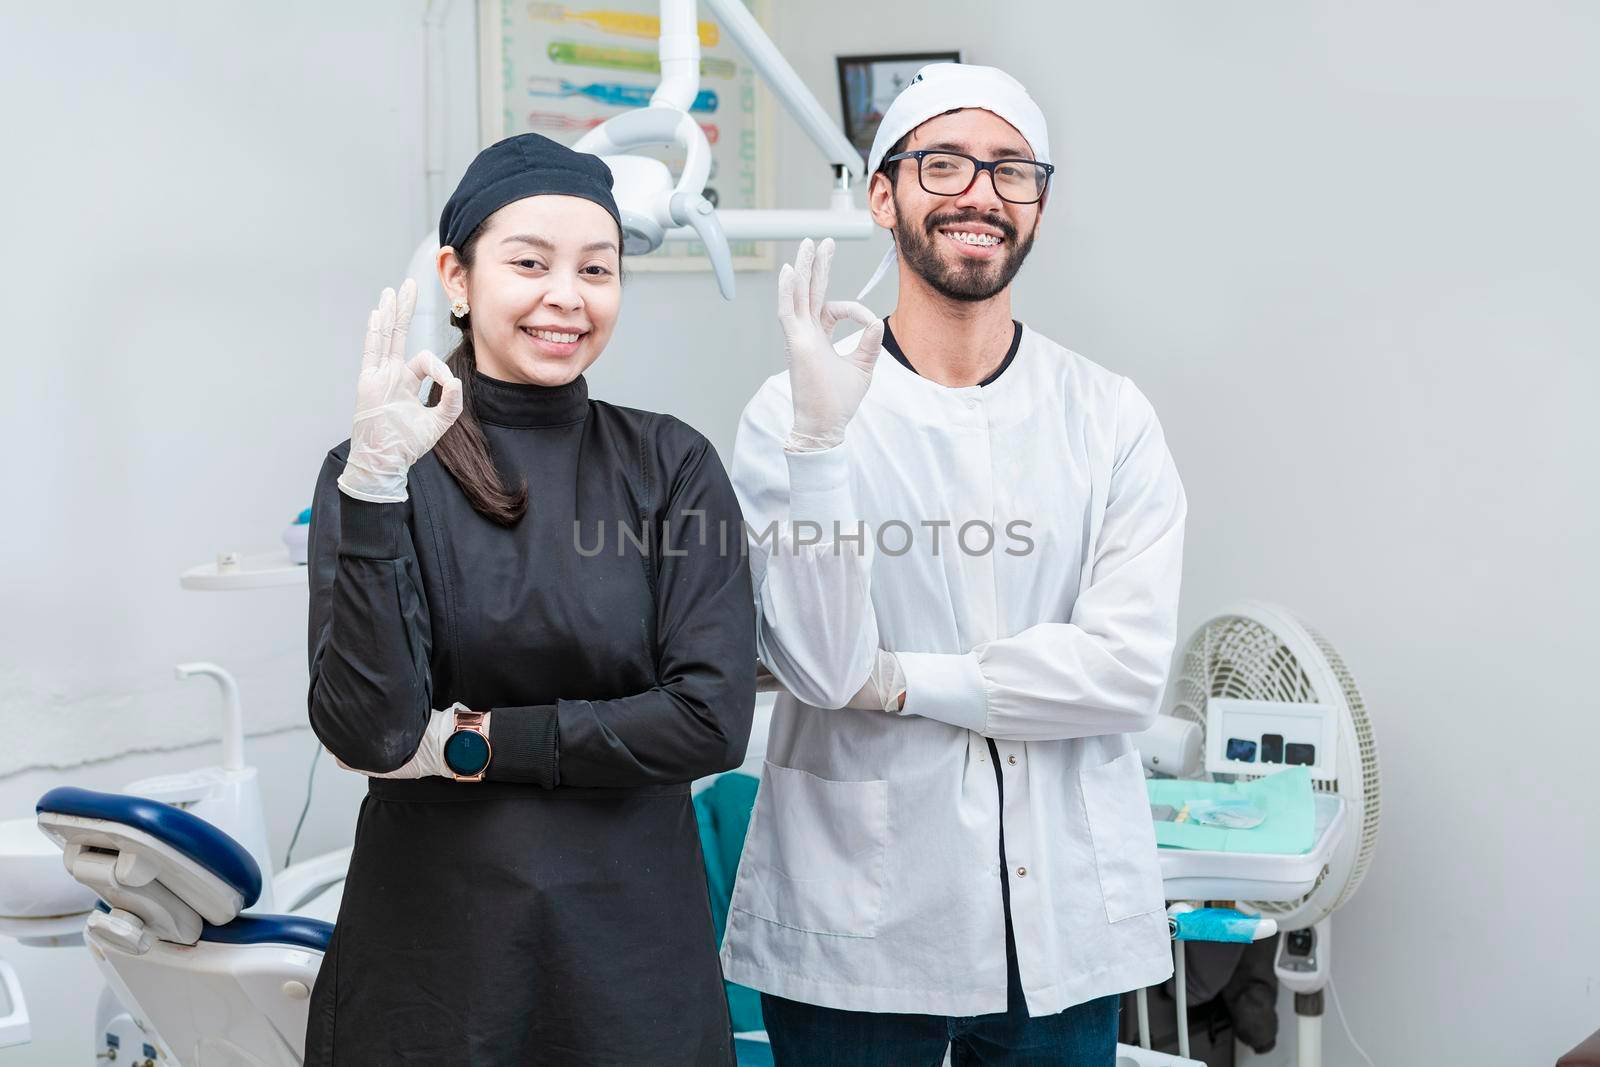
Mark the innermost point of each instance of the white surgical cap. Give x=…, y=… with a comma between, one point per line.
x=941, y=87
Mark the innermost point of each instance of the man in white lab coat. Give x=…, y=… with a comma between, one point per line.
x=970, y=600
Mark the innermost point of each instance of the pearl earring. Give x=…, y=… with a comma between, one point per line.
x=459, y=308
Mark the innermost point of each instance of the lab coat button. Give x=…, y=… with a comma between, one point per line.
x=1011, y=759
x=1022, y=872
x=295, y=990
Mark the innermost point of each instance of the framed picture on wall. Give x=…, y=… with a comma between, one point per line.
x=562, y=69
x=867, y=84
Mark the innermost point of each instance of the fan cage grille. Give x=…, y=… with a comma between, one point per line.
x=1366, y=755
x=1235, y=656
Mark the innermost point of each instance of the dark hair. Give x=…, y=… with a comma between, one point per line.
x=892, y=170
x=464, y=450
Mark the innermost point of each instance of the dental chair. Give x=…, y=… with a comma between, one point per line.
x=212, y=985
x=215, y=986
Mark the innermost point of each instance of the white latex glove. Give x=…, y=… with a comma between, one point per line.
x=392, y=428
x=886, y=686
x=827, y=387
x=429, y=757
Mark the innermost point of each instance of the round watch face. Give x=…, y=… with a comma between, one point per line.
x=466, y=752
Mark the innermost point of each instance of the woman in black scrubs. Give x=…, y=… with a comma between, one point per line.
x=531, y=624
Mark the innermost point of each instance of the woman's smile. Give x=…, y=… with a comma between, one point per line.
x=554, y=341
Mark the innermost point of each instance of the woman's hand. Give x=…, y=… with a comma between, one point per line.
x=827, y=387
x=428, y=760
x=393, y=429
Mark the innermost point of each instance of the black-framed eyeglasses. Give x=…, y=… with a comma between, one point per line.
x=944, y=173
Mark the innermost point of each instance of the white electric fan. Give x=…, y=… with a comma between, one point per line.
x=1259, y=655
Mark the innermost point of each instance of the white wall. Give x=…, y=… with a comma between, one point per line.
x=206, y=201
x=203, y=200
x=1348, y=250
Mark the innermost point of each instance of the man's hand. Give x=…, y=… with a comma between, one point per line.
x=885, y=689
x=827, y=387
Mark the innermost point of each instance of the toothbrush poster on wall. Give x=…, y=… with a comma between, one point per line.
x=562, y=69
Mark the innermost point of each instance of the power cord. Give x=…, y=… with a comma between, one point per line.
x=1334, y=993
x=316, y=757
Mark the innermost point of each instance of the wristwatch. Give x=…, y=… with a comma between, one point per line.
x=467, y=751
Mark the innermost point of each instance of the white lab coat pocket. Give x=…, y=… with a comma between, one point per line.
x=814, y=857
x=1118, y=810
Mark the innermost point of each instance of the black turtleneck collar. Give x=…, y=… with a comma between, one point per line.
x=1011, y=353
x=517, y=404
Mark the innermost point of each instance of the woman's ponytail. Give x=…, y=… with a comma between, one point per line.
x=463, y=449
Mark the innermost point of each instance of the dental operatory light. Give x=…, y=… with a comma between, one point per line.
x=678, y=210
x=650, y=200
x=657, y=206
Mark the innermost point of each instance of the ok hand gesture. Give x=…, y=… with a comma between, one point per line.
x=828, y=387
x=393, y=429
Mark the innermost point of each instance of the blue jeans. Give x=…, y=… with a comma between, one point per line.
x=804, y=1035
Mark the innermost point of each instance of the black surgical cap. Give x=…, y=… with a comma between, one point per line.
x=524, y=165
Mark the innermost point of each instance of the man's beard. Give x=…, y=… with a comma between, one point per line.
x=967, y=280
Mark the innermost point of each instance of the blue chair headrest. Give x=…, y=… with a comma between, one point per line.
x=189, y=834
